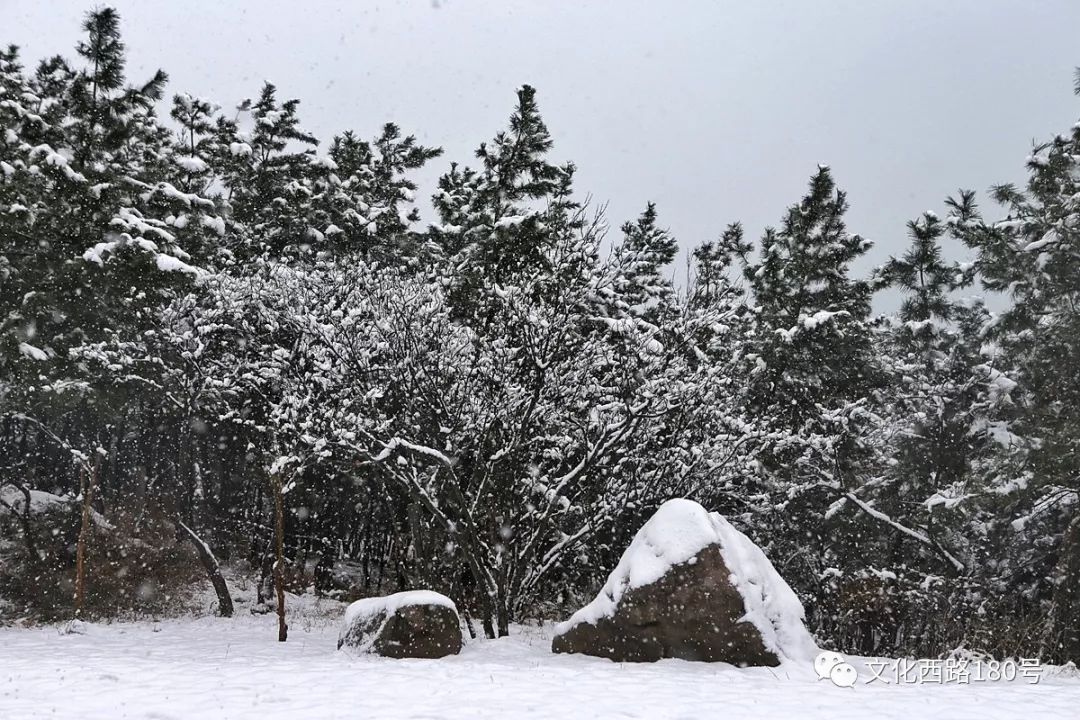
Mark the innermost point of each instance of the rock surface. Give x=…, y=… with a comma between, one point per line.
x=413, y=624
x=690, y=586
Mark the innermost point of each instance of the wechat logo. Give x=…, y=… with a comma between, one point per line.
x=836, y=668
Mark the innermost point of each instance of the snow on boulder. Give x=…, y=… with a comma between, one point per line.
x=413, y=624
x=690, y=586
x=14, y=498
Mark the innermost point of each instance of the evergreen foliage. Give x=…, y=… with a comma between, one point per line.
x=219, y=314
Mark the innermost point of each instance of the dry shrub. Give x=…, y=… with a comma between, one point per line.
x=134, y=568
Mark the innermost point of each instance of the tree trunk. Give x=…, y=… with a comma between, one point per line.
x=421, y=572
x=487, y=606
x=468, y=621
x=279, y=556
x=213, y=571
x=87, y=477
x=489, y=628
x=502, y=614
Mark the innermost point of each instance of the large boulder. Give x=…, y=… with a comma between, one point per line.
x=414, y=624
x=690, y=586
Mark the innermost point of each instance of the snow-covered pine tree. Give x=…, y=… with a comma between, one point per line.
x=86, y=197
x=516, y=174
x=267, y=172
x=1031, y=256
x=18, y=328
x=812, y=364
x=721, y=331
x=713, y=265
x=195, y=117
x=926, y=341
x=919, y=510
x=492, y=230
x=84, y=182
x=937, y=370
x=364, y=197
x=812, y=375
x=83, y=141
x=643, y=260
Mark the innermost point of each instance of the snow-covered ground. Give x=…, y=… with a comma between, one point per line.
x=214, y=669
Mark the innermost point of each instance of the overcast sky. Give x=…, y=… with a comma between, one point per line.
x=718, y=111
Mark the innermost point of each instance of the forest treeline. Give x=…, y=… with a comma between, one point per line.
x=215, y=328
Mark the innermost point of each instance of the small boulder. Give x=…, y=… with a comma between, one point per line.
x=690, y=586
x=414, y=624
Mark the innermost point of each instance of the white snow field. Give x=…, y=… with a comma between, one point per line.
x=218, y=669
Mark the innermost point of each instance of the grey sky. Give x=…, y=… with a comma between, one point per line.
x=718, y=111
